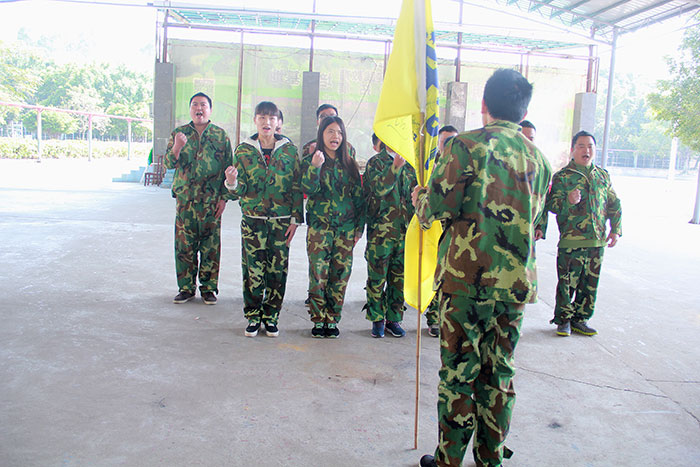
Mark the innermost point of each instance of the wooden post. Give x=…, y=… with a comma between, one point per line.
x=421, y=181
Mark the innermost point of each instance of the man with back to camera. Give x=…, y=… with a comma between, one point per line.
x=488, y=188
x=583, y=199
x=199, y=152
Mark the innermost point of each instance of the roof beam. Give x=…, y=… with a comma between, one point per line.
x=568, y=9
x=641, y=10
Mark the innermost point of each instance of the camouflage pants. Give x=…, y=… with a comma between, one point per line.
x=432, y=313
x=477, y=341
x=197, y=246
x=330, y=264
x=265, y=261
x=384, y=288
x=579, y=272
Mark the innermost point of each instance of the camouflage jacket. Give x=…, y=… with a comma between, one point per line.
x=488, y=187
x=306, y=149
x=583, y=224
x=199, y=171
x=335, y=198
x=268, y=190
x=388, y=196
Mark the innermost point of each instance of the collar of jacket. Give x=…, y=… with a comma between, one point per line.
x=255, y=142
x=571, y=167
x=503, y=123
x=191, y=124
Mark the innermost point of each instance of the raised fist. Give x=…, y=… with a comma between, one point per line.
x=575, y=196
x=318, y=159
x=231, y=175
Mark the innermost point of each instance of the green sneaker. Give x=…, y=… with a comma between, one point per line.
x=319, y=330
x=582, y=327
x=332, y=331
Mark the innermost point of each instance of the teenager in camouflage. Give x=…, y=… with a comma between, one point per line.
x=388, y=182
x=265, y=179
x=334, y=215
x=583, y=200
x=488, y=188
x=199, y=152
x=323, y=111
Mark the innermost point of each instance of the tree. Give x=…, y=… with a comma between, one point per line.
x=676, y=100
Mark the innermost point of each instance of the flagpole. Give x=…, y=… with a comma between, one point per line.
x=421, y=176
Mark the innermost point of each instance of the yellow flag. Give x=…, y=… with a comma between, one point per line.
x=407, y=109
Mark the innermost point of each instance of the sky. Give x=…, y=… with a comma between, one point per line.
x=126, y=35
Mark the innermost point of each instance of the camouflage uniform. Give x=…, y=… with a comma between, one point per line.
x=582, y=228
x=389, y=209
x=198, y=185
x=270, y=199
x=488, y=188
x=334, y=215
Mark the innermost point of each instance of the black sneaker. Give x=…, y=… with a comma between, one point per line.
x=319, y=330
x=307, y=301
x=183, y=297
x=582, y=327
x=434, y=330
x=209, y=298
x=271, y=330
x=395, y=329
x=252, y=329
x=564, y=329
x=427, y=461
x=378, y=329
x=332, y=331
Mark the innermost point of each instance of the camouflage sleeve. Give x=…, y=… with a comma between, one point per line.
x=411, y=181
x=358, y=200
x=310, y=177
x=556, y=198
x=613, y=211
x=242, y=180
x=226, y=194
x=379, y=181
x=297, y=196
x=169, y=160
x=444, y=193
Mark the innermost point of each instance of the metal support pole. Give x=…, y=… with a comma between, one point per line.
x=240, y=94
x=164, y=56
x=458, y=60
x=311, y=47
x=38, y=133
x=609, y=101
x=128, y=137
x=387, y=47
x=89, y=138
x=672, y=159
x=696, y=212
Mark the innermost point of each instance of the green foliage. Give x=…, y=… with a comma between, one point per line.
x=20, y=148
x=26, y=77
x=676, y=100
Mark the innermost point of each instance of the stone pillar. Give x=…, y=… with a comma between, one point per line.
x=164, y=107
x=584, y=113
x=310, y=90
x=456, y=106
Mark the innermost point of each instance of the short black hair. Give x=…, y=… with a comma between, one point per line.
x=323, y=107
x=375, y=139
x=267, y=108
x=507, y=94
x=448, y=128
x=581, y=134
x=201, y=94
x=280, y=116
x=527, y=124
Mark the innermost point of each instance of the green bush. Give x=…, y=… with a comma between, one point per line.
x=20, y=148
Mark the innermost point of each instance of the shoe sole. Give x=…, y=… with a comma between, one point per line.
x=577, y=331
x=377, y=336
x=251, y=334
x=563, y=334
x=209, y=302
x=397, y=335
x=433, y=335
x=272, y=334
x=180, y=302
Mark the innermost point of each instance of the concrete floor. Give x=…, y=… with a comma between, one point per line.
x=98, y=367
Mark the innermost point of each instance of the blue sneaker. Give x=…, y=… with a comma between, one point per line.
x=378, y=328
x=395, y=329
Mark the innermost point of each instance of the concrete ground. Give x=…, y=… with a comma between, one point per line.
x=98, y=367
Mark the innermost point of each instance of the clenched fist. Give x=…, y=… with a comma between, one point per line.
x=231, y=175
x=575, y=196
x=179, y=143
x=318, y=159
